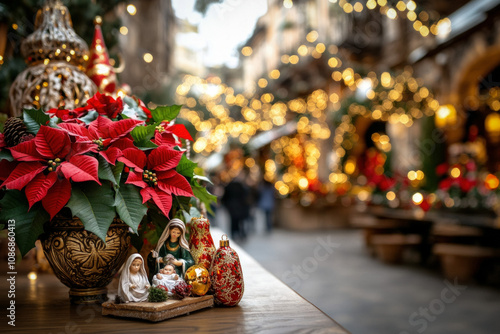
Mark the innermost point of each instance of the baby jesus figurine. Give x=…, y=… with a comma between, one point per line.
x=167, y=277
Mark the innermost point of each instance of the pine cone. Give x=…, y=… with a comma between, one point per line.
x=13, y=131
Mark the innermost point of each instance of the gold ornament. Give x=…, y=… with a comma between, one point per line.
x=81, y=260
x=56, y=57
x=198, y=277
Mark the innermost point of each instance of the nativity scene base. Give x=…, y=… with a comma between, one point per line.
x=157, y=311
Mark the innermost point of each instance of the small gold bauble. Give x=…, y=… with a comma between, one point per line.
x=198, y=277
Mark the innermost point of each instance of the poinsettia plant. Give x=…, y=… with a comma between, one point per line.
x=111, y=158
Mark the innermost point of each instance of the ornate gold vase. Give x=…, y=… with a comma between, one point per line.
x=81, y=260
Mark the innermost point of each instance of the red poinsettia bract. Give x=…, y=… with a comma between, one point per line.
x=47, y=163
x=108, y=136
x=106, y=105
x=165, y=134
x=156, y=175
x=66, y=115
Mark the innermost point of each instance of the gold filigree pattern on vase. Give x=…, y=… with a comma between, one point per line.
x=56, y=57
x=81, y=260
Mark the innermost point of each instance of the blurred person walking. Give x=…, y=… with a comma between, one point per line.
x=235, y=199
x=267, y=202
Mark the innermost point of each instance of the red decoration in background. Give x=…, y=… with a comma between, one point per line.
x=201, y=243
x=99, y=69
x=226, y=275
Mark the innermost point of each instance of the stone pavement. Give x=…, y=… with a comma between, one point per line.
x=333, y=270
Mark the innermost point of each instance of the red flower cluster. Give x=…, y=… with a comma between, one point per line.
x=49, y=162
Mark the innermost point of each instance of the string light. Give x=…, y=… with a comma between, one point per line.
x=425, y=25
x=148, y=57
x=123, y=30
x=131, y=9
x=246, y=51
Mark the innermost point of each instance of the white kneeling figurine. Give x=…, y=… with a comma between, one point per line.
x=134, y=284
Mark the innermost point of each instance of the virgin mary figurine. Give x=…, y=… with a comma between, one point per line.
x=172, y=248
x=133, y=285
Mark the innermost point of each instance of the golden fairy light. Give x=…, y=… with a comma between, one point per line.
x=131, y=9
x=425, y=25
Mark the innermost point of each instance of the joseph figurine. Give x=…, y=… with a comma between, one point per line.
x=172, y=248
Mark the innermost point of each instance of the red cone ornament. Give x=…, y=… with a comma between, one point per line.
x=226, y=275
x=201, y=243
x=99, y=69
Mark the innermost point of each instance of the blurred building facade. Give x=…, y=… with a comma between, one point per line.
x=456, y=58
x=147, y=44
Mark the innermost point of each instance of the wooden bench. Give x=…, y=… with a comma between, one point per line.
x=452, y=233
x=372, y=226
x=462, y=261
x=390, y=247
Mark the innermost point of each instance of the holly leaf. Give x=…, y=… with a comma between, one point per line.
x=165, y=113
x=28, y=224
x=94, y=205
x=186, y=167
x=33, y=118
x=128, y=202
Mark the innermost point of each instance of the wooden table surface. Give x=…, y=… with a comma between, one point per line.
x=268, y=306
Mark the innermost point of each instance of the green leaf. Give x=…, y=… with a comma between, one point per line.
x=28, y=224
x=132, y=110
x=186, y=167
x=183, y=202
x=146, y=145
x=159, y=222
x=143, y=133
x=94, y=205
x=128, y=202
x=33, y=118
x=117, y=171
x=105, y=171
x=5, y=155
x=193, y=212
x=203, y=178
x=165, y=113
x=90, y=117
x=203, y=195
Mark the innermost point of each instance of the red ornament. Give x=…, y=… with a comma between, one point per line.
x=226, y=275
x=201, y=243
